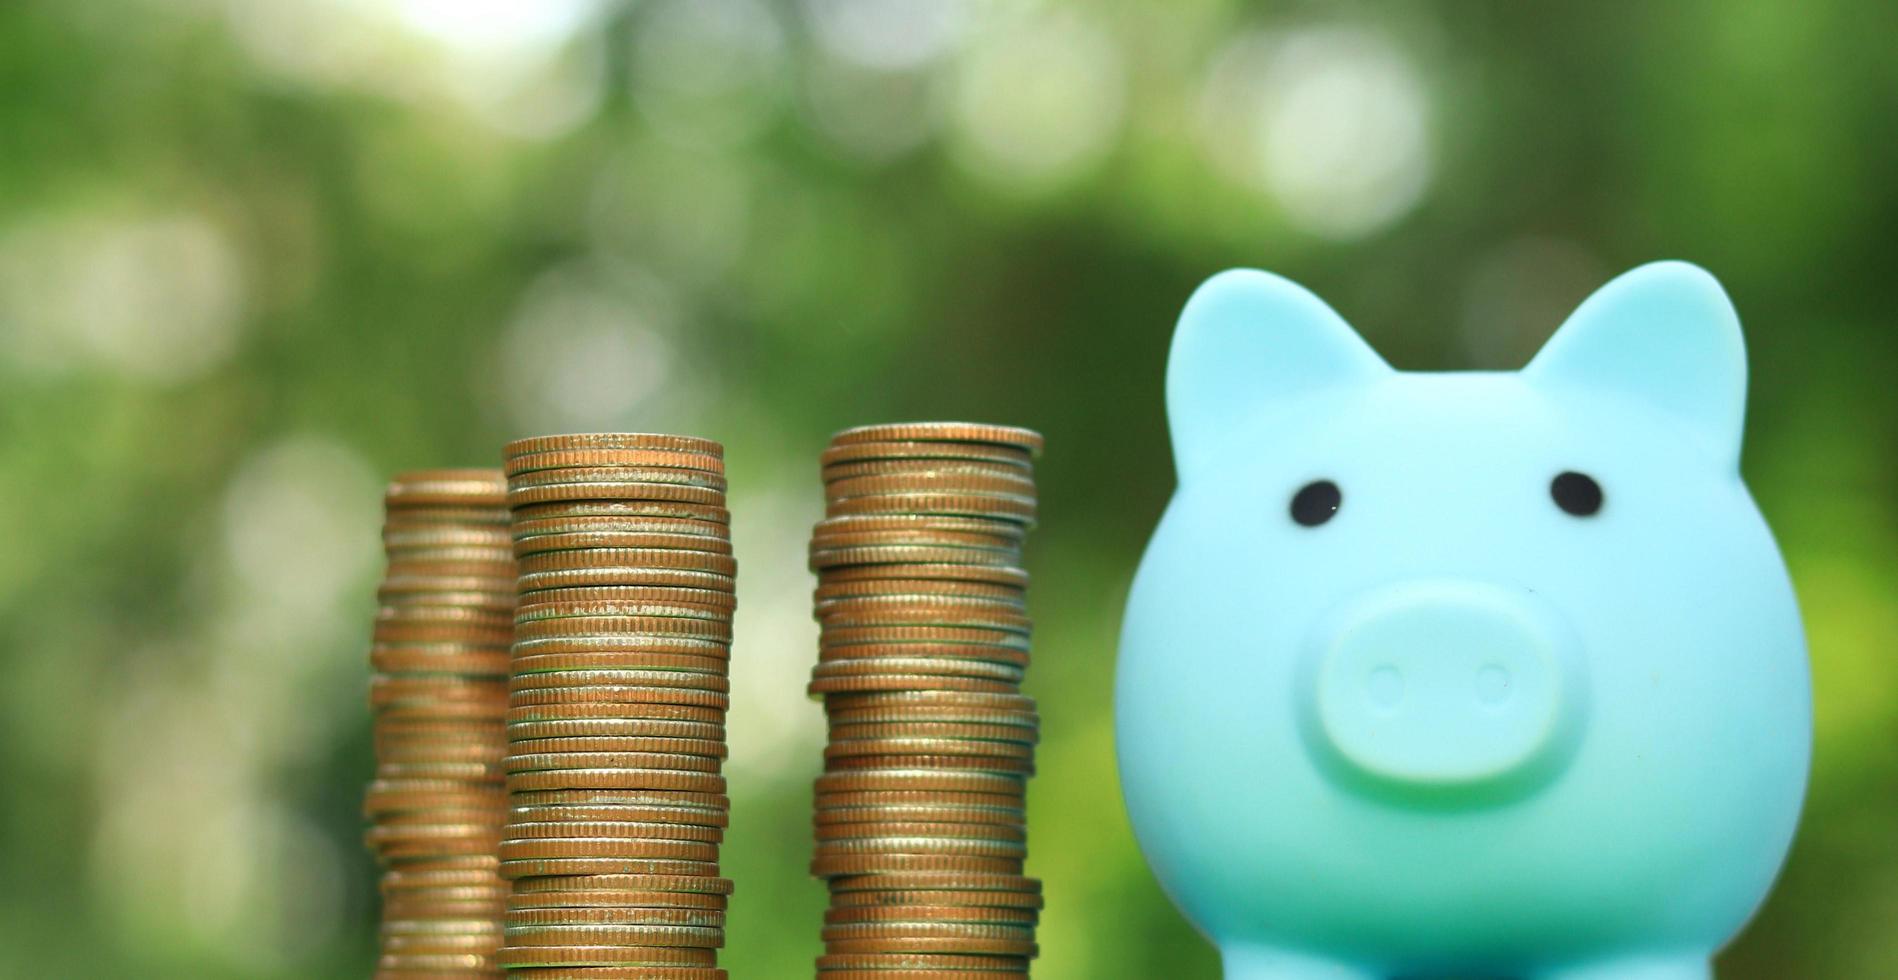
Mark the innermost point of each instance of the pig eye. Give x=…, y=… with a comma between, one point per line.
x=1316, y=502
x=1576, y=493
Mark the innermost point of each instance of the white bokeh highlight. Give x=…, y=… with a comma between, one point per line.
x=590, y=350
x=1037, y=99
x=157, y=298
x=1331, y=123
x=707, y=72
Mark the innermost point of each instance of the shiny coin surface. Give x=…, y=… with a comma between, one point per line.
x=919, y=818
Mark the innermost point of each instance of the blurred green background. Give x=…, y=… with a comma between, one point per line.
x=257, y=255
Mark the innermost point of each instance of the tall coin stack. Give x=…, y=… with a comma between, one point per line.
x=616, y=707
x=439, y=693
x=920, y=821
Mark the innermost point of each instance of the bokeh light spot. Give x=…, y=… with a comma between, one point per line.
x=707, y=72
x=156, y=298
x=1332, y=123
x=1038, y=99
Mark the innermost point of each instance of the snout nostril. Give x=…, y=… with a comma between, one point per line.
x=1493, y=684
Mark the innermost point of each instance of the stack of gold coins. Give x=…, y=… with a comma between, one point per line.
x=616, y=707
x=920, y=821
x=439, y=693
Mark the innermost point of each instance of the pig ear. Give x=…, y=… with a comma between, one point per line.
x=1246, y=340
x=1665, y=333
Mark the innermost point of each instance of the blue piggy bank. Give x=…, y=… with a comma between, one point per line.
x=1468, y=674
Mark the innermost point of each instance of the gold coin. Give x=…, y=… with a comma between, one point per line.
x=584, y=679
x=1008, y=931
x=594, y=848
x=616, y=728
x=498, y=553
x=686, y=646
x=412, y=750
x=942, y=699
x=993, y=947
x=620, y=523
x=820, y=559
x=677, y=493
x=607, y=898
x=535, y=544
x=621, y=576
x=982, y=574
x=621, y=508
x=831, y=865
x=605, y=955
x=634, y=558
x=917, y=961
x=615, y=475
x=857, y=469
x=635, y=458
x=450, y=487
x=560, y=609
x=918, y=666
x=620, y=660
x=656, y=885
x=977, y=432
x=959, y=731
x=411, y=613
x=570, y=442
x=1011, y=506
x=703, y=823
x=469, y=636
x=915, y=606
x=943, y=481
x=956, y=881
x=896, y=590
x=653, y=935
x=618, y=916
x=841, y=800
x=934, y=763
x=991, y=784
x=636, y=593
x=436, y=534
x=628, y=829
x=932, y=912
x=880, y=635
x=927, y=614
x=935, y=813
x=637, y=712
x=710, y=748
x=1027, y=721
x=883, y=830
x=919, y=524
x=944, y=651
x=401, y=660
x=538, y=629
x=839, y=747
x=707, y=819
x=545, y=867
x=620, y=797
x=620, y=695
x=906, y=451
x=905, y=682
x=549, y=761
x=691, y=782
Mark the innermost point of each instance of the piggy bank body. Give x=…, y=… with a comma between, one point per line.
x=1463, y=674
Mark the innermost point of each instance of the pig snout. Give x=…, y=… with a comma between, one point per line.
x=1443, y=685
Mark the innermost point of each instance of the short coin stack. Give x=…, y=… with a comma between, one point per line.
x=616, y=707
x=920, y=822
x=439, y=693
